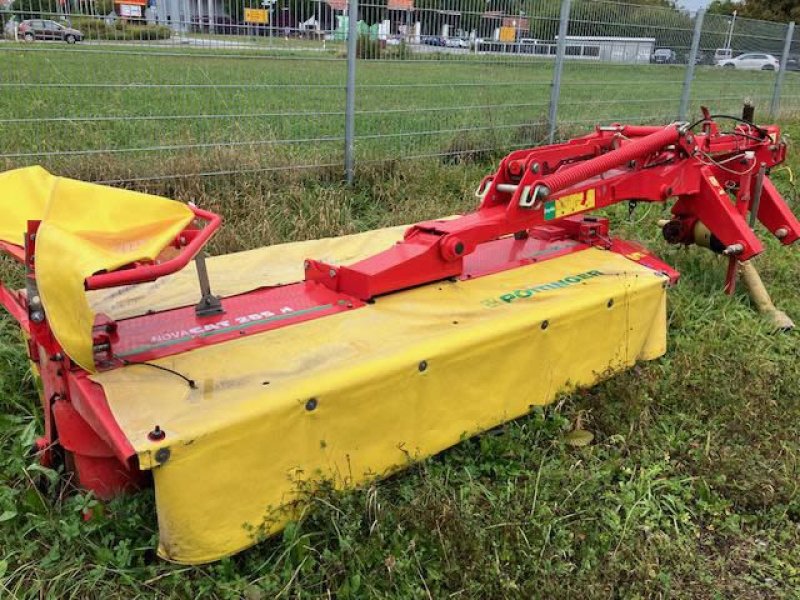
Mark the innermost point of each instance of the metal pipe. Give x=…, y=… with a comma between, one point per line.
x=350, y=101
x=748, y=111
x=689, y=74
x=756, y=201
x=776, y=94
x=209, y=303
x=555, y=90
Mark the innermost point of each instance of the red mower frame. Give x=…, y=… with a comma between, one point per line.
x=531, y=209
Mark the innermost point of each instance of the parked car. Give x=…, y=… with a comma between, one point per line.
x=664, y=56
x=433, y=40
x=527, y=45
x=456, y=43
x=45, y=29
x=722, y=54
x=700, y=59
x=793, y=63
x=753, y=62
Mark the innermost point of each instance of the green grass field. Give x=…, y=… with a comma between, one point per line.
x=689, y=489
x=132, y=112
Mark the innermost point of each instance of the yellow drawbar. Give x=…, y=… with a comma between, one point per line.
x=360, y=394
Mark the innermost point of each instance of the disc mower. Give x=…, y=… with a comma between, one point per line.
x=233, y=383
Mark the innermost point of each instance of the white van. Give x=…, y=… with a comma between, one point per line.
x=721, y=54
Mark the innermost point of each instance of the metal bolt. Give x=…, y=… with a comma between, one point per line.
x=36, y=301
x=781, y=233
x=37, y=316
x=535, y=167
x=57, y=357
x=332, y=273
x=311, y=404
x=162, y=455
x=733, y=249
x=157, y=434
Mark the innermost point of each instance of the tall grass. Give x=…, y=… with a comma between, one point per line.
x=689, y=490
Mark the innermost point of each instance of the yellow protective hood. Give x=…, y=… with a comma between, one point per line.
x=23, y=196
x=85, y=228
x=360, y=394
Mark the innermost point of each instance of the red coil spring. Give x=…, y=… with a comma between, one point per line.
x=595, y=166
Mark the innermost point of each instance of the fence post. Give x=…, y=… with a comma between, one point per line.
x=776, y=94
x=350, y=100
x=688, y=76
x=555, y=89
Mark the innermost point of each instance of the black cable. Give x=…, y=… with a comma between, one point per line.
x=742, y=134
x=763, y=132
x=126, y=362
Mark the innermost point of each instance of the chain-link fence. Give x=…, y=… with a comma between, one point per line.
x=149, y=90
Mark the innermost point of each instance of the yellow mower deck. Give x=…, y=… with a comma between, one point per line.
x=361, y=393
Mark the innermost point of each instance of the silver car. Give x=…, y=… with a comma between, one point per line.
x=753, y=62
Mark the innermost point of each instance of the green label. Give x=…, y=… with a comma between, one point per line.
x=532, y=290
x=549, y=211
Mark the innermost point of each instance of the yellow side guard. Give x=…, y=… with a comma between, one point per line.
x=362, y=393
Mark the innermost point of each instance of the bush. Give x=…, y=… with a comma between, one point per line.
x=97, y=29
x=35, y=9
x=401, y=51
x=5, y=17
x=368, y=48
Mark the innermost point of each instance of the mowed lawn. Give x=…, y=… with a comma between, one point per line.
x=689, y=489
x=107, y=112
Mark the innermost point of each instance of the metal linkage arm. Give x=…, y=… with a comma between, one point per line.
x=776, y=216
x=542, y=186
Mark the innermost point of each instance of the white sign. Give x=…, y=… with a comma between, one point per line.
x=130, y=10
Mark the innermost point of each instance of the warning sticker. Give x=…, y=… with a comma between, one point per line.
x=567, y=205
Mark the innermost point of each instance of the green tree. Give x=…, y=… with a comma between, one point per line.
x=767, y=10
x=103, y=7
x=723, y=7
x=5, y=16
x=29, y=9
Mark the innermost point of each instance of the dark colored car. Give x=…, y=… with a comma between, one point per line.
x=793, y=63
x=663, y=56
x=45, y=29
x=433, y=40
